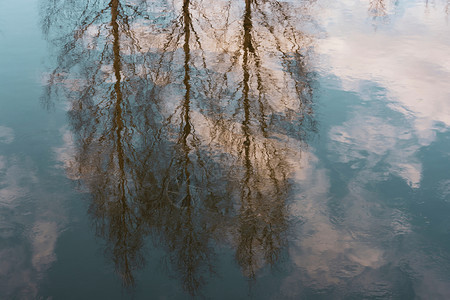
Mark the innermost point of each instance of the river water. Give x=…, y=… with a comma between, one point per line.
x=225, y=150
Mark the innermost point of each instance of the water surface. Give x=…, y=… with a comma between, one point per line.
x=235, y=149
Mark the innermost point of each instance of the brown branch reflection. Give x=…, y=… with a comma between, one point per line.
x=264, y=108
x=100, y=83
x=183, y=126
x=377, y=8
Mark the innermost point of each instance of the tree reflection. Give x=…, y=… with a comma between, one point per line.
x=102, y=87
x=190, y=206
x=265, y=105
x=377, y=8
x=183, y=126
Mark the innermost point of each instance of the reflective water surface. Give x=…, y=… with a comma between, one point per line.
x=229, y=149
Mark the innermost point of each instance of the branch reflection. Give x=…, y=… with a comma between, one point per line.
x=378, y=8
x=184, y=126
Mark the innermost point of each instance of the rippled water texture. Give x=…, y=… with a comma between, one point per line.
x=224, y=150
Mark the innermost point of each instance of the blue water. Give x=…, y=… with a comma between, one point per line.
x=234, y=150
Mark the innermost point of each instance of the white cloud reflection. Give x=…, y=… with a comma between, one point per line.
x=348, y=240
x=30, y=223
x=327, y=254
x=65, y=154
x=366, y=141
x=6, y=135
x=409, y=59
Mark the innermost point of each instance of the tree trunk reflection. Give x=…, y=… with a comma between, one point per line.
x=183, y=126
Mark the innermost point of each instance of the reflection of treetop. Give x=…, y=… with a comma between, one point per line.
x=184, y=115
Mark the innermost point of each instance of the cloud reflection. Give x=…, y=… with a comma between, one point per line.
x=182, y=128
x=27, y=236
x=412, y=67
x=6, y=135
x=355, y=237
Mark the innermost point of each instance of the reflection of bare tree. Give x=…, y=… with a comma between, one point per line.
x=265, y=104
x=379, y=12
x=178, y=134
x=377, y=8
x=190, y=190
x=100, y=82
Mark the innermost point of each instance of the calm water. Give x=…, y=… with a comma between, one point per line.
x=236, y=149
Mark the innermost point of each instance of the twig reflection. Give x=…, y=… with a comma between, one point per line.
x=181, y=134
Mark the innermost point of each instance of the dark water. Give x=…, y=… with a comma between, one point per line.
x=224, y=150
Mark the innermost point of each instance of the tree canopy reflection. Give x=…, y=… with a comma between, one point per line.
x=183, y=125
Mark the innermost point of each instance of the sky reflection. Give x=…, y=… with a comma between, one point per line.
x=266, y=149
x=26, y=228
x=404, y=59
x=185, y=139
x=397, y=73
